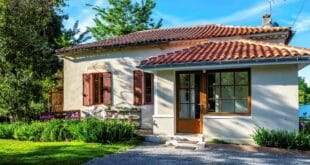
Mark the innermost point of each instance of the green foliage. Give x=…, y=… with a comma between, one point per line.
x=306, y=129
x=89, y=130
x=219, y=141
x=7, y=131
x=282, y=139
x=56, y=130
x=28, y=29
x=123, y=17
x=304, y=91
x=73, y=36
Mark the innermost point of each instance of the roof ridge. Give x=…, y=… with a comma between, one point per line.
x=219, y=25
x=275, y=45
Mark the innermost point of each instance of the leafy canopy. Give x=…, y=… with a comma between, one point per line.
x=28, y=29
x=73, y=36
x=123, y=17
x=304, y=91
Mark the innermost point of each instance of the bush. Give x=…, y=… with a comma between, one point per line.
x=7, y=131
x=88, y=130
x=103, y=131
x=56, y=130
x=282, y=139
x=306, y=127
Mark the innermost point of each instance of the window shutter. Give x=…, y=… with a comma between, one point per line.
x=107, y=86
x=86, y=89
x=138, y=87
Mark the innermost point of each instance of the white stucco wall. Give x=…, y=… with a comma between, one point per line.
x=274, y=93
x=121, y=63
x=164, y=103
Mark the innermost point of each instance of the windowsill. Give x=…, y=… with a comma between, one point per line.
x=248, y=116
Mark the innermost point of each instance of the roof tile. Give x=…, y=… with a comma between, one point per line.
x=227, y=51
x=172, y=34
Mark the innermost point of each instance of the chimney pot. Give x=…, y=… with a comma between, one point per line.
x=267, y=22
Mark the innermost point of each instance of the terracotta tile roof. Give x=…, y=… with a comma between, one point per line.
x=228, y=51
x=173, y=34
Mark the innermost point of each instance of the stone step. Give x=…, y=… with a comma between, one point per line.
x=187, y=141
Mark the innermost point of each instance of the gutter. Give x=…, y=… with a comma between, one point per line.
x=227, y=64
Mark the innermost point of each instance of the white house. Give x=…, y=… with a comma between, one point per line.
x=219, y=81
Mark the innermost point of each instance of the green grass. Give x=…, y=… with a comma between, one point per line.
x=218, y=141
x=25, y=152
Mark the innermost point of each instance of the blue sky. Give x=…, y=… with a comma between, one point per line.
x=229, y=12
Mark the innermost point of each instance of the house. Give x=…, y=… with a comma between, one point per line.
x=219, y=81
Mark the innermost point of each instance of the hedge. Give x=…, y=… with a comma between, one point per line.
x=88, y=130
x=282, y=139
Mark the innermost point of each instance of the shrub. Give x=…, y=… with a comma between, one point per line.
x=7, y=131
x=89, y=130
x=56, y=130
x=103, y=131
x=282, y=139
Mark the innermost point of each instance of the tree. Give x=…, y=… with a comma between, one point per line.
x=123, y=17
x=28, y=29
x=303, y=91
x=73, y=36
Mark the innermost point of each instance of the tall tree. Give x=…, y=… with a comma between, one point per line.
x=28, y=29
x=304, y=91
x=123, y=17
x=73, y=36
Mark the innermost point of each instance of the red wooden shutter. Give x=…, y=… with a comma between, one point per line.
x=138, y=87
x=91, y=88
x=86, y=89
x=107, y=86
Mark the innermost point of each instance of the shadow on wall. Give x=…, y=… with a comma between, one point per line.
x=269, y=110
x=164, y=91
x=122, y=75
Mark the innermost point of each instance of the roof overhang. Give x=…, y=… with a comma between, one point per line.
x=246, y=63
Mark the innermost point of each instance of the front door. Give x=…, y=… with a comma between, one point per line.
x=188, y=102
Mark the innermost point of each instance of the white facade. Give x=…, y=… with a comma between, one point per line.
x=274, y=92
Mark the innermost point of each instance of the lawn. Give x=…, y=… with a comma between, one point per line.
x=25, y=152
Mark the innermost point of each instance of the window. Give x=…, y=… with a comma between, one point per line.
x=97, y=88
x=228, y=92
x=143, y=88
x=148, y=88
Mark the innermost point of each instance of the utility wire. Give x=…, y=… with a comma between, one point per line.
x=299, y=12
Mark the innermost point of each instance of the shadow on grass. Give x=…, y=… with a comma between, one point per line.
x=63, y=153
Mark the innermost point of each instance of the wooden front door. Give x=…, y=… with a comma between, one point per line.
x=189, y=112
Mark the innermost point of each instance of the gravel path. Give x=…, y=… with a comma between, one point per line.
x=151, y=154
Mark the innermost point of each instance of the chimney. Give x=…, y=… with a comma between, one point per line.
x=267, y=22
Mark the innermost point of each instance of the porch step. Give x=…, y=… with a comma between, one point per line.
x=191, y=142
x=187, y=142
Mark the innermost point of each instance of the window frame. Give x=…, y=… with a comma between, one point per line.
x=249, y=100
x=101, y=92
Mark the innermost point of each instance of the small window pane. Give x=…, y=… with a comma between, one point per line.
x=192, y=81
x=241, y=105
x=184, y=80
x=192, y=111
x=227, y=78
x=193, y=96
x=214, y=105
x=184, y=96
x=214, y=79
x=214, y=92
x=242, y=92
x=184, y=111
x=241, y=78
x=227, y=92
x=227, y=105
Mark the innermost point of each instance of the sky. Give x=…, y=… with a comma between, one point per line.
x=293, y=13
